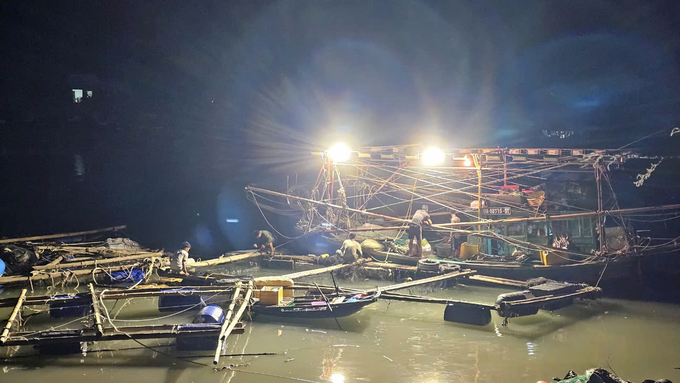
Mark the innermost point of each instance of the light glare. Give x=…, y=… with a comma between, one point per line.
x=433, y=156
x=467, y=161
x=339, y=152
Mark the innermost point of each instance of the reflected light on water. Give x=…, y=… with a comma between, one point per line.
x=337, y=378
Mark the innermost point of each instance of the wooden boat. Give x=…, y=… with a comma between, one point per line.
x=387, y=256
x=586, y=272
x=316, y=307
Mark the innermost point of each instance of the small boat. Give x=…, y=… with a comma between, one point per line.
x=315, y=306
x=388, y=256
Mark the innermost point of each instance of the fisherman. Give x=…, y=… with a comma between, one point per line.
x=415, y=230
x=349, y=252
x=351, y=249
x=178, y=262
x=265, y=242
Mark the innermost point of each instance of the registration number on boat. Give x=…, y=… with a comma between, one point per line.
x=496, y=211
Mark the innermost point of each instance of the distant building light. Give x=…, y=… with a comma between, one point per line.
x=77, y=95
x=232, y=220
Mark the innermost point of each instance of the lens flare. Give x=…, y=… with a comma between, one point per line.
x=339, y=152
x=433, y=156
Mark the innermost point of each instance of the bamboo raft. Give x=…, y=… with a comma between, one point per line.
x=97, y=331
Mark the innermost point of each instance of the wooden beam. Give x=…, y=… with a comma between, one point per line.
x=322, y=270
x=418, y=282
x=12, y=317
x=95, y=310
x=224, y=334
x=64, y=235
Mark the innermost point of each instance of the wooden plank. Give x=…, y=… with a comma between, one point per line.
x=64, y=235
x=322, y=270
x=55, y=262
x=222, y=259
x=418, y=282
x=98, y=262
x=13, y=317
x=224, y=334
x=95, y=310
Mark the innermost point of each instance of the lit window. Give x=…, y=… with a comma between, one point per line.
x=89, y=94
x=77, y=95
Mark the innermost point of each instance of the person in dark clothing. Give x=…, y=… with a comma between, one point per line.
x=415, y=230
x=265, y=242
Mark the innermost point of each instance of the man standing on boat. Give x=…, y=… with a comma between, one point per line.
x=265, y=242
x=415, y=230
x=178, y=262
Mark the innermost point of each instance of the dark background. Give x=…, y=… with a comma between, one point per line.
x=193, y=100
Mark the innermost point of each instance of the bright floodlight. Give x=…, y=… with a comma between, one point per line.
x=433, y=156
x=467, y=161
x=339, y=152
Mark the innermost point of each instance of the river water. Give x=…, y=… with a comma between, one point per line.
x=385, y=342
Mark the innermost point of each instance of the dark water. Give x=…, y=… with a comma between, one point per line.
x=387, y=342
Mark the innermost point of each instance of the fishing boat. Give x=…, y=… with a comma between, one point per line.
x=520, y=212
x=318, y=306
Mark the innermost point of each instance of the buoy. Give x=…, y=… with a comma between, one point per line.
x=467, y=313
x=210, y=314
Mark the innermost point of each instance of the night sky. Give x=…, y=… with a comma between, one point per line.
x=203, y=97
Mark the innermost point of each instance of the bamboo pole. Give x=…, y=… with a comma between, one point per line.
x=97, y=262
x=322, y=270
x=223, y=259
x=56, y=275
x=13, y=317
x=95, y=309
x=406, y=285
x=52, y=236
x=230, y=311
x=224, y=334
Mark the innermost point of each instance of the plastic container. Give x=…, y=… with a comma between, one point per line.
x=210, y=314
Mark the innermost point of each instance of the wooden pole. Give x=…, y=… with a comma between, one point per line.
x=95, y=310
x=13, y=317
x=52, y=236
x=224, y=334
